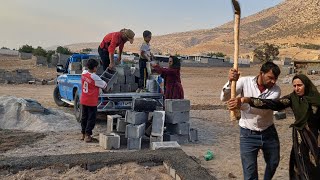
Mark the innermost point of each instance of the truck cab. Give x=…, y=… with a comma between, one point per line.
x=68, y=88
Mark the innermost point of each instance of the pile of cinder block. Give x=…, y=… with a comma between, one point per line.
x=144, y=119
x=177, y=122
x=126, y=82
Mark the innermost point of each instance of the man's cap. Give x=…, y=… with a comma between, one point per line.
x=129, y=34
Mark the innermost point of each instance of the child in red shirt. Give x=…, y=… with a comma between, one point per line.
x=89, y=98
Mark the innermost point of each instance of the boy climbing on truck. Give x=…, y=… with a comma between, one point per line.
x=90, y=84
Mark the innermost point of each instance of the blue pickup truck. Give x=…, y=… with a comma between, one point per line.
x=68, y=89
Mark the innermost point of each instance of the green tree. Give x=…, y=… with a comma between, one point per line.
x=266, y=52
x=26, y=49
x=63, y=50
x=39, y=51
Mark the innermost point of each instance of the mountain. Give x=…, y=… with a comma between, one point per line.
x=289, y=25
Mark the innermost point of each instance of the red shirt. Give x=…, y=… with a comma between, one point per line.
x=90, y=88
x=111, y=41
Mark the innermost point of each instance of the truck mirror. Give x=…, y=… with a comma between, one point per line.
x=60, y=68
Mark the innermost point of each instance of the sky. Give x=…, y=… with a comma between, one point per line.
x=48, y=23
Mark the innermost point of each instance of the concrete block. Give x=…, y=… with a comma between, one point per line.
x=193, y=135
x=134, y=117
x=177, y=117
x=123, y=70
x=280, y=115
x=158, y=123
x=155, y=139
x=124, y=88
x=180, y=128
x=173, y=105
x=144, y=104
x=121, y=79
x=111, y=141
x=121, y=125
x=165, y=145
x=134, y=144
x=135, y=131
x=115, y=88
x=181, y=139
x=112, y=122
x=130, y=79
x=133, y=87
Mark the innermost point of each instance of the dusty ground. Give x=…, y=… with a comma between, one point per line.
x=202, y=86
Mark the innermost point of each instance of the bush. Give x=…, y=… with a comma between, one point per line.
x=39, y=51
x=26, y=49
x=266, y=52
x=5, y=48
x=63, y=50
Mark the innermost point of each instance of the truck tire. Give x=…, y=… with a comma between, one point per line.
x=57, y=97
x=77, y=107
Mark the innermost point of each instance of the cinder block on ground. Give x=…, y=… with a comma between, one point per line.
x=144, y=104
x=280, y=115
x=158, y=123
x=121, y=125
x=173, y=105
x=165, y=145
x=134, y=143
x=181, y=128
x=134, y=117
x=111, y=141
x=181, y=139
x=193, y=135
x=135, y=131
x=177, y=117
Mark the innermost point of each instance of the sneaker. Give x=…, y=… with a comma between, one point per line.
x=87, y=138
x=82, y=137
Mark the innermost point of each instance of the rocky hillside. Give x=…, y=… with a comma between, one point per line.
x=287, y=24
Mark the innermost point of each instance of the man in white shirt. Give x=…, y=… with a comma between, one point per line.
x=257, y=130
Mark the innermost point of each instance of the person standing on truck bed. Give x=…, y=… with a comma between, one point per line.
x=90, y=84
x=109, y=44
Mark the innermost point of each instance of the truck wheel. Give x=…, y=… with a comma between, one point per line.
x=77, y=107
x=57, y=97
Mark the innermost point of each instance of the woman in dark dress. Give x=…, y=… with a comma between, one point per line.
x=305, y=104
x=171, y=75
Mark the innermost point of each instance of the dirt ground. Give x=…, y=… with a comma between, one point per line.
x=209, y=115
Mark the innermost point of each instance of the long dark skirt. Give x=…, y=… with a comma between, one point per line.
x=304, y=157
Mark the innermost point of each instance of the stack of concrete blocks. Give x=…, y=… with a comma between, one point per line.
x=126, y=80
x=177, y=121
x=158, y=119
x=135, y=128
x=111, y=139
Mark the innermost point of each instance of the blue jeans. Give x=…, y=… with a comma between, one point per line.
x=250, y=144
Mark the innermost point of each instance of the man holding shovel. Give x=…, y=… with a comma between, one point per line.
x=257, y=130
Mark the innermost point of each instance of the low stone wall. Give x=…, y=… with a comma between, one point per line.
x=25, y=56
x=9, y=52
x=223, y=64
x=18, y=76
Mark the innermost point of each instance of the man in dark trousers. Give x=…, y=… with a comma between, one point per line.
x=110, y=42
